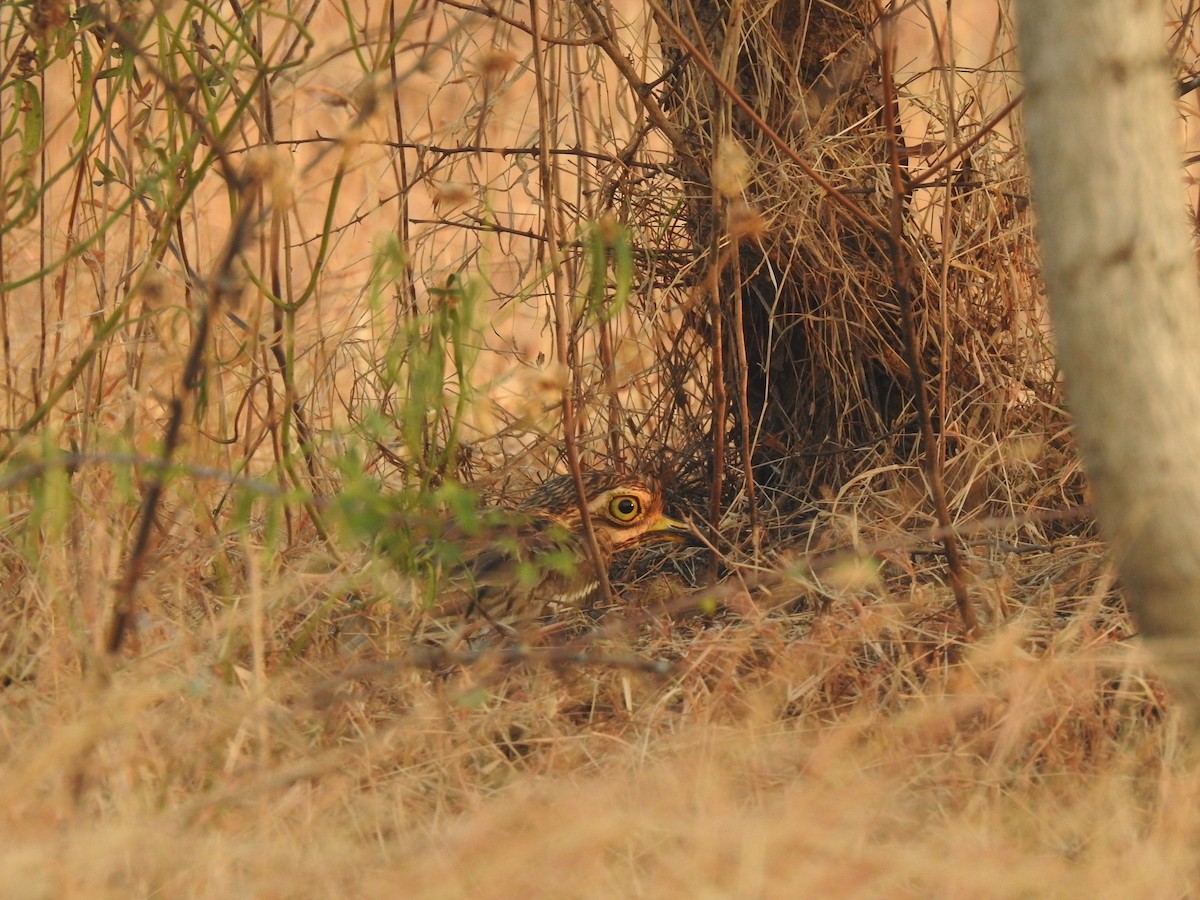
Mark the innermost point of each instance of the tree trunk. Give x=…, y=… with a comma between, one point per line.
x=1121, y=276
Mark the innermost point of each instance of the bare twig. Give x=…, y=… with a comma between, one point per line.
x=902, y=279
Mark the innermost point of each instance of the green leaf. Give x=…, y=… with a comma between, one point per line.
x=33, y=119
x=85, y=93
x=623, y=260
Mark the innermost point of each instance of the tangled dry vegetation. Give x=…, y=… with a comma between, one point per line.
x=276, y=279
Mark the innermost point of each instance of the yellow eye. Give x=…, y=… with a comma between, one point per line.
x=624, y=508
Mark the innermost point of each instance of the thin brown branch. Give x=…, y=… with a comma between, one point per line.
x=222, y=288
x=562, y=326
x=931, y=452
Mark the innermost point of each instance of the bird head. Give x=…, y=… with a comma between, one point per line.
x=625, y=510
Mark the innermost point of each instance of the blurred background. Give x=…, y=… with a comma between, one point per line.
x=272, y=276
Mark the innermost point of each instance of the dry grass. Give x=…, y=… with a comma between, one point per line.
x=799, y=715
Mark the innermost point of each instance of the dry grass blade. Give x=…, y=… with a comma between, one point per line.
x=475, y=246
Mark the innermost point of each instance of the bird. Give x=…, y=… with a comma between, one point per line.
x=508, y=566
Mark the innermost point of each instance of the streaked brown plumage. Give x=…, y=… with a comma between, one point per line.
x=535, y=555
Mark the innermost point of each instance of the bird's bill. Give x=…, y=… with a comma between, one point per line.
x=668, y=529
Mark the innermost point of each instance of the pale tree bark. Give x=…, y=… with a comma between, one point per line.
x=1121, y=275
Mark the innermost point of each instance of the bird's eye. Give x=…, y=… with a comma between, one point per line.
x=624, y=509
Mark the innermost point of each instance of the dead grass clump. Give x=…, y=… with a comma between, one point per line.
x=780, y=752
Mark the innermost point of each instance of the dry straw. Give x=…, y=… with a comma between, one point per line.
x=277, y=280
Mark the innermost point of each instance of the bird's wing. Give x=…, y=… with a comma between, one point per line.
x=509, y=573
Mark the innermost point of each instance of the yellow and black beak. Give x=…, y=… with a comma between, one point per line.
x=670, y=530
